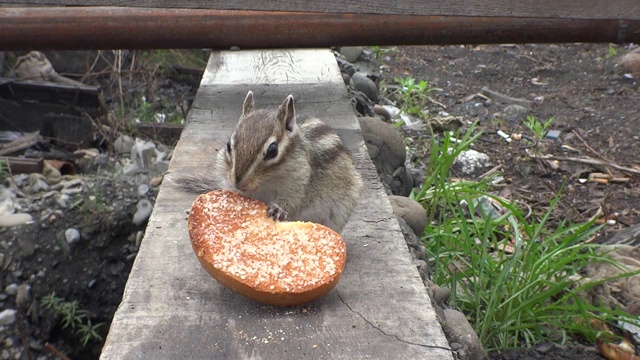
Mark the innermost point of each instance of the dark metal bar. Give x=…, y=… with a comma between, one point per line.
x=18, y=165
x=63, y=28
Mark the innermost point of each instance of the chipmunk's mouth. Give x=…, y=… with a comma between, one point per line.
x=246, y=187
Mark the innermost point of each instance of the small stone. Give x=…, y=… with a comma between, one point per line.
x=51, y=174
x=156, y=181
x=11, y=289
x=8, y=342
x=351, y=53
x=471, y=161
x=411, y=211
x=123, y=144
x=72, y=236
x=515, y=113
x=63, y=200
x=6, y=354
x=459, y=330
x=144, y=208
x=15, y=219
x=455, y=346
x=362, y=83
x=37, y=183
x=23, y=295
x=143, y=189
x=142, y=153
x=382, y=111
x=7, y=317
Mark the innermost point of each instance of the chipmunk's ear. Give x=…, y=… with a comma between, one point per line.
x=287, y=114
x=249, y=104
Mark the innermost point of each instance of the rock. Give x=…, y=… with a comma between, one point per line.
x=362, y=83
x=63, y=200
x=471, y=161
x=37, y=183
x=23, y=296
x=15, y=219
x=144, y=208
x=11, y=289
x=6, y=355
x=51, y=174
x=515, y=113
x=7, y=201
x=351, y=53
x=440, y=294
x=123, y=144
x=382, y=111
x=459, y=330
x=411, y=212
x=72, y=236
x=345, y=67
x=7, y=317
x=143, y=189
x=142, y=153
x=413, y=242
x=388, y=153
x=346, y=78
x=156, y=181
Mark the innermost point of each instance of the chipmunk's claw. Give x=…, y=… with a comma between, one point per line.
x=275, y=212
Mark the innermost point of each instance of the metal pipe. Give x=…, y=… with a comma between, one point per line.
x=61, y=28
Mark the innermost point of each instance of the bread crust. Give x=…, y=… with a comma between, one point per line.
x=276, y=263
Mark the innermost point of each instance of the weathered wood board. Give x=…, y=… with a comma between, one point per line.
x=569, y=9
x=172, y=309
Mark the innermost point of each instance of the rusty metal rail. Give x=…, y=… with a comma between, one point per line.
x=60, y=28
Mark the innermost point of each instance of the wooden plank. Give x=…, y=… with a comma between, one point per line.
x=173, y=309
x=569, y=9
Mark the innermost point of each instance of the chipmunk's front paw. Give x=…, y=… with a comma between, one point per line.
x=275, y=212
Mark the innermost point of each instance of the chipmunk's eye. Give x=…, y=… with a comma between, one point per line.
x=272, y=151
x=229, y=147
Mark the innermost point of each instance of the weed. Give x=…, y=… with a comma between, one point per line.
x=538, y=128
x=73, y=318
x=379, y=51
x=611, y=51
x=413, y=95
x=513, y=275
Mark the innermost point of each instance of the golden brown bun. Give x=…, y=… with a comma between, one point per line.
x=276, y=263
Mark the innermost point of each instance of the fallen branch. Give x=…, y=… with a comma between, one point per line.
x=495, y=96
x=590, y=161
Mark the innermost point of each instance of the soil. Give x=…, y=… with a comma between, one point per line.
x=594, y=106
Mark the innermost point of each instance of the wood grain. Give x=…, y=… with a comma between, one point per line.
x=569, y=9
x=172, y=309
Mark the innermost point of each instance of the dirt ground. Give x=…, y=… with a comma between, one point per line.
x=596, y=109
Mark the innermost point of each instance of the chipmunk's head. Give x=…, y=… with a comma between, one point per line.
x=260, y=143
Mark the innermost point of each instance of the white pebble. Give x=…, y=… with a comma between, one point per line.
x=72, y=235
x=7, y=317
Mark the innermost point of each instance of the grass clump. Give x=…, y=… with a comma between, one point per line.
x=73, y=318
x=514, y=275
x=414, y=95
x=537, y=127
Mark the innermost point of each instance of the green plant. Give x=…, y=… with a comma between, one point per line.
x=538, y=128
x=144, y=113
x=413, y=95
x=513, y=275
x=73, y=318
x=611, y=51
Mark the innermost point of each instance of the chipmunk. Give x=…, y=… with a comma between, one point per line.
x=298, y=166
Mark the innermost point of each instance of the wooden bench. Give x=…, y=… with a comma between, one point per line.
x=172, y=309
